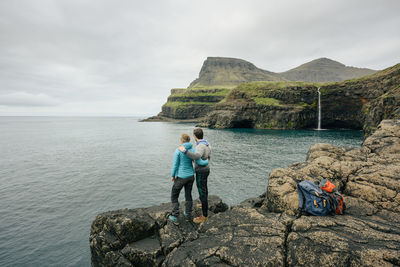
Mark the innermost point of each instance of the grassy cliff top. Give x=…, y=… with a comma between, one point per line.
x=274, y=85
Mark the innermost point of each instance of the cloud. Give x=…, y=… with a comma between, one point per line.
x=27, y=99
x=96, y=53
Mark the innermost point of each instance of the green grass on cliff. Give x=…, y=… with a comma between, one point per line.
x=194, y=93
x=258, y=89
x=272, y=85
x=204, y=87
x=266, y=101
x=177, y=104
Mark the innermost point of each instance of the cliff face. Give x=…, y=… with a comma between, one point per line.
x=356, y=104
x=224, y=74
x=269, y=230
x=266, y=105
x=362, y=103
x=190, y=104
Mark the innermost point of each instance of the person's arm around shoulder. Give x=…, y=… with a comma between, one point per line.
x=192, y=155
x=175, y=165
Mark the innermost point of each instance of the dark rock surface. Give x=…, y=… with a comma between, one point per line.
x=144, y=236
x=238, y=237
x=269, y=230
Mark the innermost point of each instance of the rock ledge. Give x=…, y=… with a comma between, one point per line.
x=269, y=230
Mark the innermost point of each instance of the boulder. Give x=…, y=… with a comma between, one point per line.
x=369, y=178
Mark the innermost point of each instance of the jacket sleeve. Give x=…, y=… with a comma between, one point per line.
x=193, y=155
x=202, y=162
x=175, y=164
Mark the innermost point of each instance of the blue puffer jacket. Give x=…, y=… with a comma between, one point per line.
x=182, y=166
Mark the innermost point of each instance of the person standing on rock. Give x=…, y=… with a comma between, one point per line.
x=183, y=176
x=201, y=157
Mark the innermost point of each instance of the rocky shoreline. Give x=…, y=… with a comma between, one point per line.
x=159, y=118
x=268, y=230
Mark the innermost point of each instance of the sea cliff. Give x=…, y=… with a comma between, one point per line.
x=269, y=230
x=354, y=104
x=213, y=97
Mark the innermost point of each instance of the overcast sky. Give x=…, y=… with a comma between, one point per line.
x=97, y=57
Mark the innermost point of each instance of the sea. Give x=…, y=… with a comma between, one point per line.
x=58, y=173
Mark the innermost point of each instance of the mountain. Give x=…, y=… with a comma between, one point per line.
x=324, y=70
x=221, y=71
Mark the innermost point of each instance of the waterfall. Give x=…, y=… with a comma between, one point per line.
x=319, y=109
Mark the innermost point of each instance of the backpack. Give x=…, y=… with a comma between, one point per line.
x=313, y=199
x=336, y=199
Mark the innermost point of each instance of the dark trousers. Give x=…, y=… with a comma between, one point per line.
x=201, y=181
x=179, y=183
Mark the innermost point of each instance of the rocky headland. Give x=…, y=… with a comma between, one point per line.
x=354, y=104
x=234, y=93
x=269, y=230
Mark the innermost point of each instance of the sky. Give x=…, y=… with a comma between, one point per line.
x=122, y=57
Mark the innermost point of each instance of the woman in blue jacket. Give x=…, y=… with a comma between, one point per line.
x=183, y=176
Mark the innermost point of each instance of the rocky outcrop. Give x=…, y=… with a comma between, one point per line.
x=190, y=104
x=355, y=104
x=269, y=230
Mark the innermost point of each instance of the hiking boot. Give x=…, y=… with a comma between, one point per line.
x=200, y=219
x=173, y=219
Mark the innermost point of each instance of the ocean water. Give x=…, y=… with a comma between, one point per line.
x=58, y=173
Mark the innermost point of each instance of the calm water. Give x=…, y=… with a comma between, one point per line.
x=57, y=174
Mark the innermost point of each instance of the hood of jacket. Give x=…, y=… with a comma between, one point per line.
x=203, y=141
x=188, y=145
